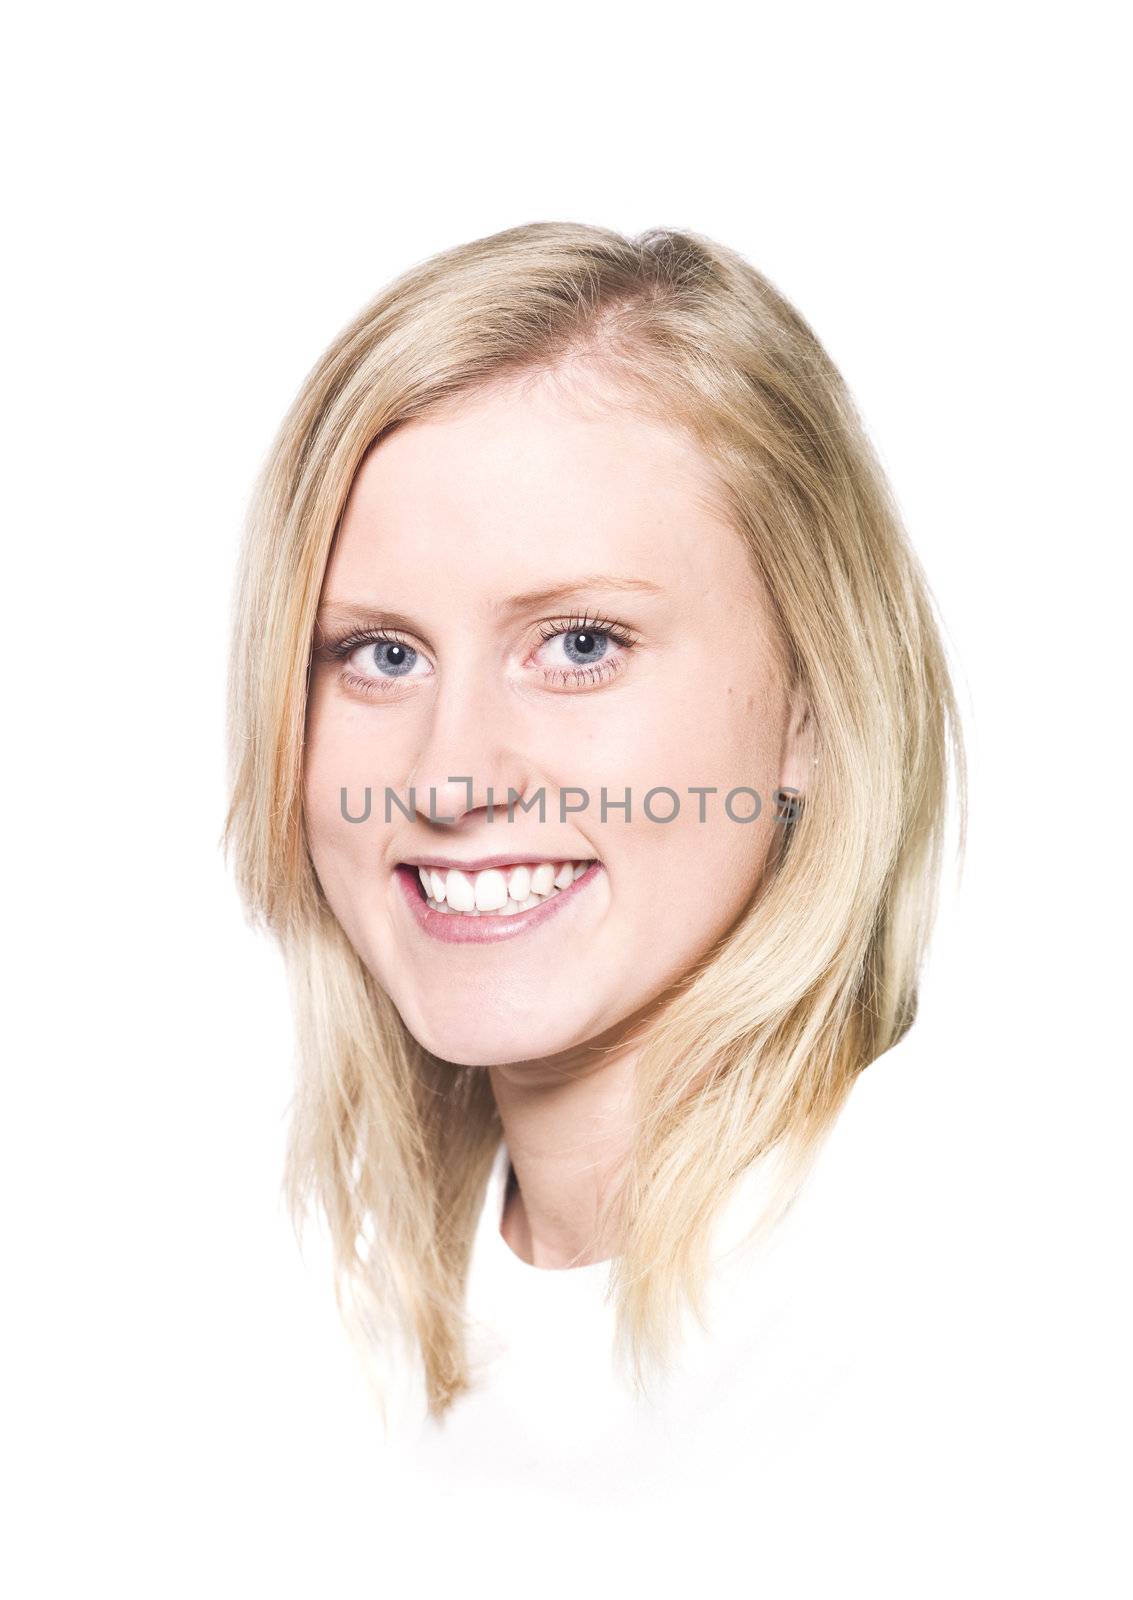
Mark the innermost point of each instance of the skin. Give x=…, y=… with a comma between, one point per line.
x=516, y=488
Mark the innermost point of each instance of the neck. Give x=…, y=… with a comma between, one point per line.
x=567, y=1127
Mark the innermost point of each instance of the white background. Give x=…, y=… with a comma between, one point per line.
x=197, y=200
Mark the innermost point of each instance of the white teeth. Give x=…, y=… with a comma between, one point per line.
x=496, y=891
x=491, y=890
x=543, y=878
x=519, y=884
x=460, y=891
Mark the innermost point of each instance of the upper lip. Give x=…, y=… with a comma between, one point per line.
x=483, y=863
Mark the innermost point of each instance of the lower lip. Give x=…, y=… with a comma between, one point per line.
x=490, y=928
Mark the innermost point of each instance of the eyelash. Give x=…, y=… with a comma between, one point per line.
x=343, y=648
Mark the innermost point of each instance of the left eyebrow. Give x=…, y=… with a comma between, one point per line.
x=586, y=585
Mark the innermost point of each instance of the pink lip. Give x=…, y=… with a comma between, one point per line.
x=482, y=864
x=489, y=929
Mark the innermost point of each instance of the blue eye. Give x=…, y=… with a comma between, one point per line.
x=584, y=646
x=391, y=658
x=375, y=659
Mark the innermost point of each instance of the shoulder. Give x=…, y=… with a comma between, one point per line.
x=896, y=1110
x=872, y=1230
x=887, y=1140
x=888, y=1167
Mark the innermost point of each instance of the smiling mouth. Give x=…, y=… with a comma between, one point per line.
x=503, y=891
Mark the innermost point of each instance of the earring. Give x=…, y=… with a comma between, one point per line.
x=789, y=804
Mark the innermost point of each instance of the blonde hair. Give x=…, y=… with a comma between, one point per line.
x=755, y=1049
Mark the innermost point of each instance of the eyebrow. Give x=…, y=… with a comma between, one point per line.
x=518, y=602
x=562, y=591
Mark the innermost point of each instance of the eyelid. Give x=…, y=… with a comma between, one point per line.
x=585, y=621
x=345, y=644
x=338, y=649
x=342, y=648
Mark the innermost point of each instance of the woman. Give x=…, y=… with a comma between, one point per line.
x=591, y=740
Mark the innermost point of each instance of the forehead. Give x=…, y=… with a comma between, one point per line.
x=529, y=474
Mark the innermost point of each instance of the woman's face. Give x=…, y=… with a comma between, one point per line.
x=652, y=665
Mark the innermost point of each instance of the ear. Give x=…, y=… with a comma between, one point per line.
x=797, y=762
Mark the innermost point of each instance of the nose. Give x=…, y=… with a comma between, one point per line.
x=470, y=757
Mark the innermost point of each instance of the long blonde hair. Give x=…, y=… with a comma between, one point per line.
x=755, y=1049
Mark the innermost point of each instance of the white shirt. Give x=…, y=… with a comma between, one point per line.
x=836, y=1431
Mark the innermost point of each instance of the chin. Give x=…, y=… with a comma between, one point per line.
x=484, y=1042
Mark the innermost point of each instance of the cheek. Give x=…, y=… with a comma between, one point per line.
x=675, y=890
x=686, y=880
x=691, y=872
x=698, y=735
x=335, y=758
